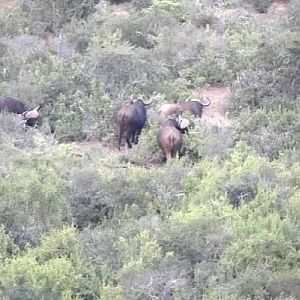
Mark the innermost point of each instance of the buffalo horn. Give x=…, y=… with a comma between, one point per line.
x=207, y=103
x=147, y=103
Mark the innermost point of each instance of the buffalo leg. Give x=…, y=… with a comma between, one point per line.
x=133, y=139
x=128, y=138
x=165, y=158
x=128, y=143
x=181, y=152
x=120, y=139
x=136, y=136
x=173, y=153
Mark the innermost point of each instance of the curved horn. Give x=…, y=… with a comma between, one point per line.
x=147, y=103
x=207, y=103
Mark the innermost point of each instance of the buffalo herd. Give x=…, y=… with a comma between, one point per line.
x=194, y=106
x=131, y=119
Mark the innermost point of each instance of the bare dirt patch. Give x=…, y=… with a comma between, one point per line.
x=96, y=149
x=122, y=10
x=7, y=3
x=215, y=113
x=87, y=146
x=278, y=7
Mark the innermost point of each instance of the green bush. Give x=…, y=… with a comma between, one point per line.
x=12, y=21
x=220, y=223
x=206, y=141
x=141, y=4
x=44, y=16
x=179, y=49
x=171, y=279
x=174, y=7
x=201, y=13
x=88, y=208
x=262, y=240
x=284, y=285
x=33, y=198
x=53, y=269
x=8, y=248
x=271, y=133
x=142, y=29
x=293, y=11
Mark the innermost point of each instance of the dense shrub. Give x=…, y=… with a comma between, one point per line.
x=44, y=16
x=85, y=220
x=293, y=10
x=270, y=133
x=174, y=7
x=284, y=285
x=33, y=199
x=8, y=248
x=143, y=29
x=87, y=208
x=170, y=279
x=51, y=269
x=201, y=13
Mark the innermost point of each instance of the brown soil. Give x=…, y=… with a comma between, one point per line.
x=122, y=10
x=278, y=7
x=215, y=113
x=7, y=3
x=88, y=145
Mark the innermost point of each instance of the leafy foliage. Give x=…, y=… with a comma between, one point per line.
x=80, y=219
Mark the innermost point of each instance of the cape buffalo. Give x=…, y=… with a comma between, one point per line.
x=169, y=137
x=31, y=117
x=130, y=121
x=193, y=106
x=12, y=105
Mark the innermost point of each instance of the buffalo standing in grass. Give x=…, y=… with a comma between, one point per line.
x=12, y=105
x=194, y=106
x=130, y=121
x=169, y=137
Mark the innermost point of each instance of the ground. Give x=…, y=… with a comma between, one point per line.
x=215, y=113
x=7, y=3
x=278, y=7
x=122, y=10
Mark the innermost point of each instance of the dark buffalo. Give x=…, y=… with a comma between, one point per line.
x=12, y=105
x=193, y=106
x=169, y=137
x=130, y=121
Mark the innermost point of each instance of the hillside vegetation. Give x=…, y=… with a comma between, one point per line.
x=80, y=219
